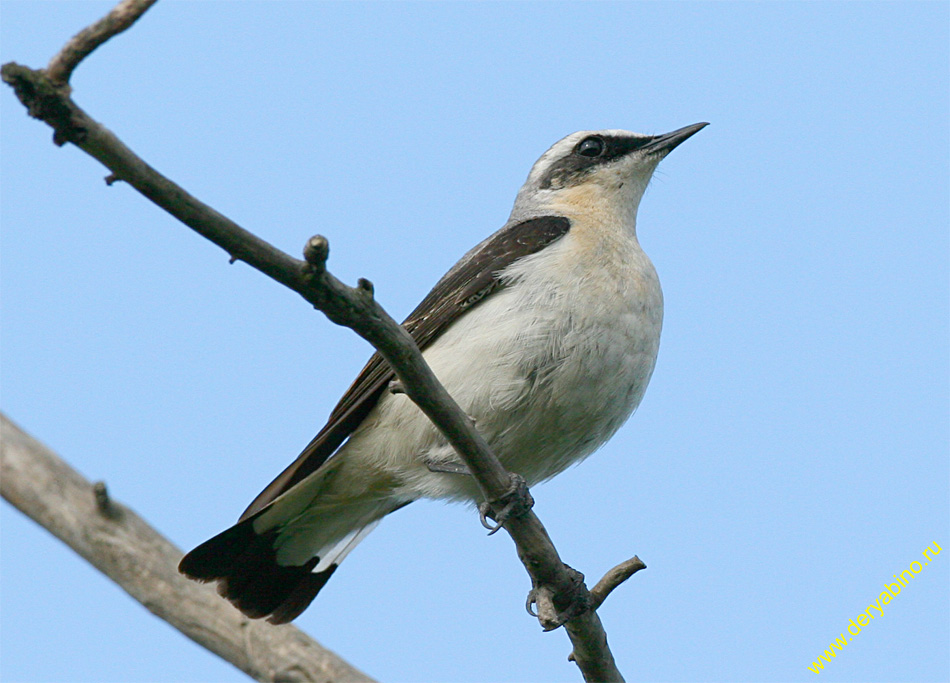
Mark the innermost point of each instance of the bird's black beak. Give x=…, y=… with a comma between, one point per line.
x=666, y=143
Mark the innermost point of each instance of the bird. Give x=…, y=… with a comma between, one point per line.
x=546, y=334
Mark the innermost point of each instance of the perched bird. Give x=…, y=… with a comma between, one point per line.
x=546, y=334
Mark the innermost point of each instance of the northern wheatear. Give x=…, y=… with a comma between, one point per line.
x=546, y=334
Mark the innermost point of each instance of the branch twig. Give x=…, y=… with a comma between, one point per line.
x=614, y=578
x=122, y=16
x=121, y=545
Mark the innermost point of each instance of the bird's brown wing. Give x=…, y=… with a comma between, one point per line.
x=468, y=283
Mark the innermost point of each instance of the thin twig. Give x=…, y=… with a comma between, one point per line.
x=614, y=578
x=122, y=16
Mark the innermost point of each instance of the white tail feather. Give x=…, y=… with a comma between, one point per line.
x=336, y=554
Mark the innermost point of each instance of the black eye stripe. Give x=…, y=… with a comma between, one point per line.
x=585, y=156
x=592, y=146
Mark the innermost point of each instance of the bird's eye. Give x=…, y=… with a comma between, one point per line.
x=591, y=147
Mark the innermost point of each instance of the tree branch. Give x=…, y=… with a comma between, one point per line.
x=613, y=579
x=122, y=16
x=558, y=590
x=120, y=544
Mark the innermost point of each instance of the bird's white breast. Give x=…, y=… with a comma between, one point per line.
x=549, y=367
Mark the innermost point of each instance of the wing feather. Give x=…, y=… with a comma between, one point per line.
x=468, y=283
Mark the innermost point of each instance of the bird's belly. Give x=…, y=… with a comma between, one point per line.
x=546, y=386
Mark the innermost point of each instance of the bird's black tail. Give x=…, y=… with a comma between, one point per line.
x=244, y=563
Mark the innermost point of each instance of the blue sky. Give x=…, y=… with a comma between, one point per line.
x=793, y=450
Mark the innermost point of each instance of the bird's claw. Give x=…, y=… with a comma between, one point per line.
x=541, y=603
x=516, y=502
x=531, y=602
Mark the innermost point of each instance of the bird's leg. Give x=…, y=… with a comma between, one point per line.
x=516, y=502
x=447, y=467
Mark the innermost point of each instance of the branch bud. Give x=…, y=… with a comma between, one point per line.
x=316, y=251
x=365, y=287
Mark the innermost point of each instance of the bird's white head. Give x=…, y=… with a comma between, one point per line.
x=600, y=171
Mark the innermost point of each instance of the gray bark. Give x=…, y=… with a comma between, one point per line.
x=124, y=547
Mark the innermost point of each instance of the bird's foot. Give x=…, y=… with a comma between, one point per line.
x=556, y=610
x=515, y=503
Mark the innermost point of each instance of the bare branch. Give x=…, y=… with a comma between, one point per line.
x=122, y=16
x=614, y=578
x=125, y=548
